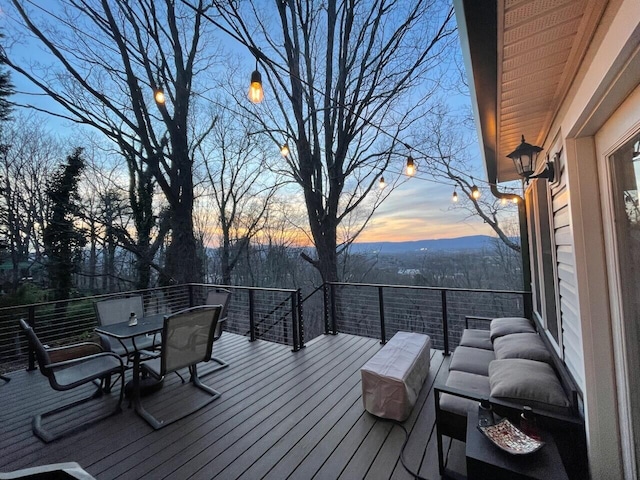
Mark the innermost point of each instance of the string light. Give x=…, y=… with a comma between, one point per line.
x=455, y=196
x=158, y=95
x=515, y=200
x=256, y=94
x=382, y=183
x=475, y=193
x=411, y=168
x=284, y=150
x=503, y=201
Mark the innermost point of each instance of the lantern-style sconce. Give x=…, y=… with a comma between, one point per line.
x=525, y=159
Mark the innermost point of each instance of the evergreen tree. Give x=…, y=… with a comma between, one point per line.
x=63, y=240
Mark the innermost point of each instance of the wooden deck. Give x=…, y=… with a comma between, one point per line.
x=281, y=415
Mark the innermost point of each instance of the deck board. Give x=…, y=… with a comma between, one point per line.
x=282, y=414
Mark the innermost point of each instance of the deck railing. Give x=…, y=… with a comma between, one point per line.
x=258, y=313
x=379, y=311
x=279, y=315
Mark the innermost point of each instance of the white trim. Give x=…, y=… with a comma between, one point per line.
x=617, y=131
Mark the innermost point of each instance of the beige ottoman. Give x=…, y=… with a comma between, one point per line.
x=393, y=377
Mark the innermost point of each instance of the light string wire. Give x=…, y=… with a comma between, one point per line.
x=261, y=56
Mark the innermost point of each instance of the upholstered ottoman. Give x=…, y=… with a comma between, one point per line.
x=393, y=377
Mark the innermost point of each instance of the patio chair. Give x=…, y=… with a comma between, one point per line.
x=67, y=372
x=54, y=471
x=183, y=347
x=116, y=310
x=219, y=296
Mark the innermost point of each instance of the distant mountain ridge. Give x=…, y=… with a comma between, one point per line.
x=472, y=242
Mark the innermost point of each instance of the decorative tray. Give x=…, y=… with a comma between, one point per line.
x=507, y=437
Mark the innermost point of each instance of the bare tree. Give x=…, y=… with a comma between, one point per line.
x=449, y=137
x=344, y=78
x=109, y=57
x=27, y=161
x=242, y=187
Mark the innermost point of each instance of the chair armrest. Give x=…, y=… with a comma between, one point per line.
x=77, y=350
x=475, y=318
x=148, y=354
x=68, y=363
x=439, y=389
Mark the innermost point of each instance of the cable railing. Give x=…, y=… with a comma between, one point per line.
x=279, y=315
x=258, y=313
x=379, y=311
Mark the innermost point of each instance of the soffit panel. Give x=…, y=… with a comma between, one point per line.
x=541, y=44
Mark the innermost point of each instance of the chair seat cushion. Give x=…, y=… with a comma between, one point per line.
x=527, y=382
x=476, y=339
x=508, y=325
x=522, y=345
x=477, y=385
x=472, y=360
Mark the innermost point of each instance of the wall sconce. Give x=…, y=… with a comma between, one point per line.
x=525, y=158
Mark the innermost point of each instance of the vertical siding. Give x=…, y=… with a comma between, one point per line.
x=571, y=343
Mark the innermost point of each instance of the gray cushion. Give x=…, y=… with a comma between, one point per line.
x=522, y=345
x=472, y=360
x=508, y=325
x=477, y=385
x=528, y=382
x=476, y=339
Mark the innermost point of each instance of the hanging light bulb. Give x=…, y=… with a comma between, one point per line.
x=382, y=183
x=475, y=193
x=284, y=150
x=503, y=201
x=455, y=196
x=256, y=94
x=158, y=95
x=411, y=168
x=515, y=199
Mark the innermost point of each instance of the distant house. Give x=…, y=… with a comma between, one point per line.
x=565, y=74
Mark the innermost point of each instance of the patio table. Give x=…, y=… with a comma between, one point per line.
x=148, y=325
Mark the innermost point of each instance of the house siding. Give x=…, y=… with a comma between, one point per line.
x=571, y=339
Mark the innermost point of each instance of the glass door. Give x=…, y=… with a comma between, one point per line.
x=625, y=167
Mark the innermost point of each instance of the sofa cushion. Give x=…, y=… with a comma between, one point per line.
x=477, y=385
x=508, y=325
x=472, y=360
x=476, y=339
x=522, y=345
x=527, y=382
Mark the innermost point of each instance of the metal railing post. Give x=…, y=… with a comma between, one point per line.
x=325, y=299
x=334, y=328
x=383, y=333
x=190, y=291
x=294, y=321
x=445, y=322
x=300, y=319
x=252, y=321
x=31, y=320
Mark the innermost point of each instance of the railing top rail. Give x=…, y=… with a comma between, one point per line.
x=91, y=297
x=420, y=287
x=242, y=287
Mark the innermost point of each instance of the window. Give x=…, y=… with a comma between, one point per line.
x=543, y=276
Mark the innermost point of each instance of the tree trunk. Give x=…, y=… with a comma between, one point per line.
x=183, y=264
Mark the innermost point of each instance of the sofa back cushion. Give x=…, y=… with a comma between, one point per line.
x=508, y=325
x=522, y=345
x=527, y=382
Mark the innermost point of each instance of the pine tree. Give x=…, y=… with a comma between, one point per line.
x=63, y=240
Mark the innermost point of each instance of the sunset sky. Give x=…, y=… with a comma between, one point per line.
x=418, y=209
